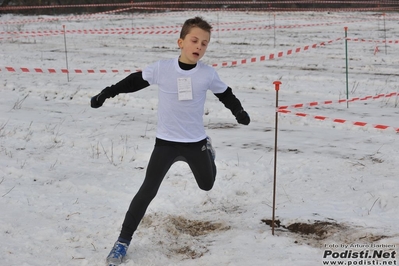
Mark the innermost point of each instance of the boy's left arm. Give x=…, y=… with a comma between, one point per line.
x=231, y=102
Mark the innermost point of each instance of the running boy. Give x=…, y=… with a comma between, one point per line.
x=182, y=86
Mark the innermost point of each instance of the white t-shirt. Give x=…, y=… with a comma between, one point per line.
x=182, y=95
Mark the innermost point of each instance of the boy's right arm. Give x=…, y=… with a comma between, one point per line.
x=133, y=82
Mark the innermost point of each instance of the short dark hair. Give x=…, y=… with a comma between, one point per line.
x=192, y=23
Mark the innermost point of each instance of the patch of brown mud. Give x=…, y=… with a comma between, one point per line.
x=196, y=227
x=182, y=236
x=319, y=233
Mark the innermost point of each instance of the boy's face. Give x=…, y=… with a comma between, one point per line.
x=193, y=46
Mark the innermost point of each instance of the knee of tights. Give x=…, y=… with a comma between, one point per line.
x=206, y=187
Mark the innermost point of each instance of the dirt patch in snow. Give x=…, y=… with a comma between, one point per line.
x=194, y=227
x=320, y=233
x=182, y=236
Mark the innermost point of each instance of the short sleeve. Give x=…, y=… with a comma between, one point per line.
x=150, y=73
x=217, y=85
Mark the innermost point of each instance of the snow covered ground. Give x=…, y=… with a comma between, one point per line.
x=68, y=172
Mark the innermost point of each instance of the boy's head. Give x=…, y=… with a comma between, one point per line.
x=192, y=23
x=194, y=38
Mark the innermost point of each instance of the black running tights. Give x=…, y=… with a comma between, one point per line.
x=165, y=153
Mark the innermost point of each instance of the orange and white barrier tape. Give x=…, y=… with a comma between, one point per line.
x=223, y=64
x=274, y=55
x=110, y=30
x=373, y=41
x=104, y=15
x=99, y=15
x=312, y=104
x=94, y=16
x=340, y=121
x=154, y=30
x=63, y=70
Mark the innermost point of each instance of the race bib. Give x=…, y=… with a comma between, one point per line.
x=185, y=89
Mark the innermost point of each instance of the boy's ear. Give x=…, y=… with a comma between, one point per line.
x=180, y=42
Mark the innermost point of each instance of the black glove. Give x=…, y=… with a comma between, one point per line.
x=242, y=117
x=98, y=100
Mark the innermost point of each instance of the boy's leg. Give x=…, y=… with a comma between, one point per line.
x=201, y=163
x=161, y=160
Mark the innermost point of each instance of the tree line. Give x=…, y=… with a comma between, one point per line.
x=176, y=4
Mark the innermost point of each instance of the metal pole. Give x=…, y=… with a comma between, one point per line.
x=385, y=35
x=274, y=15
x=346, y=60
x=277, y=88
x=66, y=53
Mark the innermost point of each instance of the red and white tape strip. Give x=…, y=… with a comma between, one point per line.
x=155, y=30
x=103, y=16
x=63, y=70
x=273, y=56
x=99, y=15
x=373, y=41
x=340, y=121
x=224, y=64
x=94, y=16
x=117, y=30
x=312, y=104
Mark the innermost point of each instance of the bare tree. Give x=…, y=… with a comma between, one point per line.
x=5, y=3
